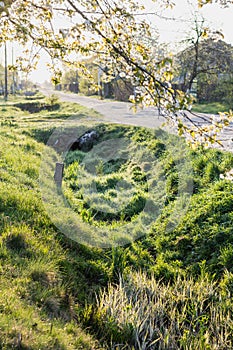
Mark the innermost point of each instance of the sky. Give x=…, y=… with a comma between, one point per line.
x=183, y=12
x=170, y=31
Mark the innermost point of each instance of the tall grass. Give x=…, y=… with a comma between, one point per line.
x=143, y=313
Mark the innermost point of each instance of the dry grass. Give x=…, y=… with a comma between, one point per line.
x=147, y=314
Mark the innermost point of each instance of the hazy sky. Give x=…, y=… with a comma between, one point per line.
x=183, y=12
x=171, y=31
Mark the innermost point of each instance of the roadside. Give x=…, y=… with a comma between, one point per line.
x=113, y=111
x=121, y=113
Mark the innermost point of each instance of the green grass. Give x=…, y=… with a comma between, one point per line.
x=58, y=293
x=211, y=108
x=36, y=304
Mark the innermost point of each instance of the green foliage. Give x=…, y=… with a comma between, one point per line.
x=72, y=157
x=41, y=135
x=87, y=88
x=203, y=234
x=225, y=93
x=219, y=90
x=109, y=184
x=204, y=229
x=52, y=100
x=206, y=67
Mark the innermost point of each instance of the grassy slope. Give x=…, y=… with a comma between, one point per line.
x=36, y=303
x=47, y=279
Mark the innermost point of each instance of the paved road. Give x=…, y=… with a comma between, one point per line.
x=120, y=112
x=114, y=111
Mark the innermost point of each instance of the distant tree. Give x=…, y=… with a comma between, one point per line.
x=12, y=80
x=213, y=84
x=70, y=80
x=221, y=91
x=207, y=61
x=122, y=88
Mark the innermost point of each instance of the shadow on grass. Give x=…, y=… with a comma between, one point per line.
x=40, y=135
x=17, y=244
x=35, y=106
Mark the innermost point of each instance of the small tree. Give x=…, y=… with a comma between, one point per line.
x=206, y=60
x=70, y=80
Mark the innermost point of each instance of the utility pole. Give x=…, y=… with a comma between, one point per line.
x=6, y=77
x=13, y=72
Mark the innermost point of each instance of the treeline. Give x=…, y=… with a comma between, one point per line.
x=204, y=68
x=117, y=88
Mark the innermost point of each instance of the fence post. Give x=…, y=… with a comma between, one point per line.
x=59, y=173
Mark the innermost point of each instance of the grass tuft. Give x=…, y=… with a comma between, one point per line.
x=144, y=313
